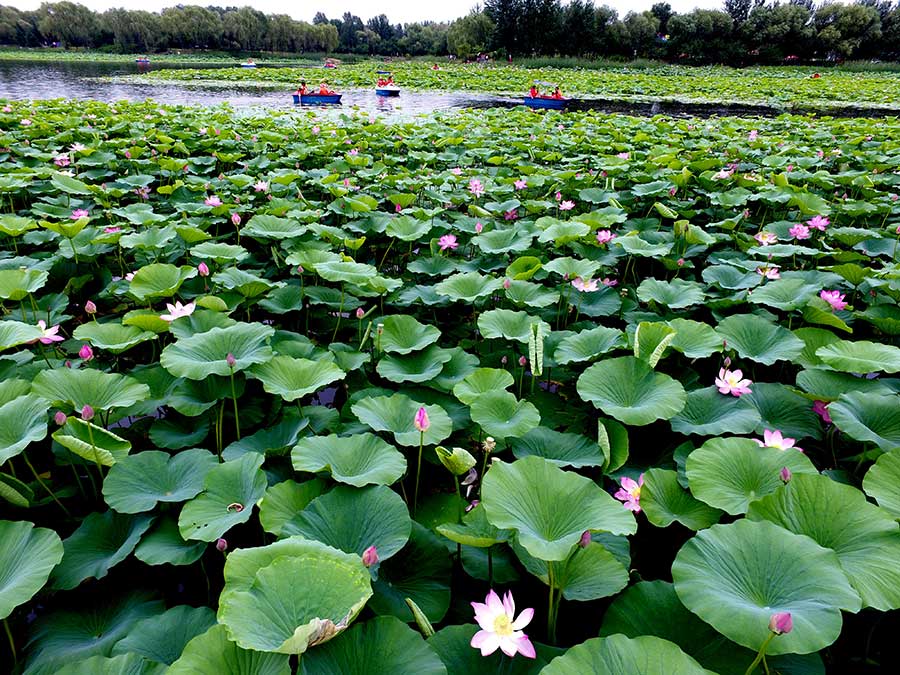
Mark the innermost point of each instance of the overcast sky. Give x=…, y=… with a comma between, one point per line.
x=398, y=11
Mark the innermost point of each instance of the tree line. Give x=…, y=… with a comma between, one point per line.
x=743, y=31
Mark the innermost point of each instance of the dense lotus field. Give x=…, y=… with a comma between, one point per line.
x=783, y=87
x=285, y=393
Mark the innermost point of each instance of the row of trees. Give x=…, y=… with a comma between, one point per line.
x=742, y=31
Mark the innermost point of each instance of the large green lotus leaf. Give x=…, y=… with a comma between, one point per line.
x=460, y=366
x=510, y=325
x=422, y=572
x=229, y=492
x=276, y=440
x=15, y=226
x=588, y=344
x=828, y=385
x=200, y=321
x=291, y=595
x=709, y=413
x=123, y=664
x=13, y=389
x=590, y=573
x=112, y=337
x=137, y=482
x=163, y=638
x=403, y=334
x=694, y=339
x=503, y=241
x=159, y=280
x=380, y=645
x=563, y=449
x=860, y=357
x=397, y=414
x=204, y=354
x=87, y=386
x=634, y=245
x=619, y=655
x=468, y=286
x=163, y=545
x=100, y=542
x=531, y=295
x=246, y=284
x=675, y=294
x=549, y=508
x=27, y=556
x=786, y=294
x=15, y=491
x=868, y=417
x=670, y=621
x=735, y=577
x=882, y=482
x=293, y=378
x=813, y=338
x=219, y=251
x=501, y=415
x=16, y=284
x=286, y=499
x=357, y=460
x=784, y=409
x=631, y=391
x=15, y=333
x=836, y=516
x=407, y=228
x=353, y=519
x=453, y=645
x=612, y=438
x=481, y=381
x=422, y=366
x=263, y=226
x=23, y=421
x=729, y=473
x=213, y=652
x=87, y=629
x=474, y=530
x=664, y=501
x=759, y=340
x=90, y=442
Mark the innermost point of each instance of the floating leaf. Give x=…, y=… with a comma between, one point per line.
x=501, y=415
x=664, y=501
x=618, y=655
x=357, y=460
x=137, y=482
x=204, y=354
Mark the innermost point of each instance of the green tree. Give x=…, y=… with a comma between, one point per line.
x=704, y=35
x=70, y=24
x=470, y=35
x=842, y=29
x=191, y=27
x=505, y=15
x=772, y=33
x=641, y=30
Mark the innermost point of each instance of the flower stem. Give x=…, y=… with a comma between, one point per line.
x=44, y=485
x=551, y=615
x=12, y=642
x=237, y=419
x=760, y=655
x=418, y=471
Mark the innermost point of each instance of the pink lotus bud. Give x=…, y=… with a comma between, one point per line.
x=67, y=363
x=86, y=353
x=504, y=360
x=59, y=418
x=370, y=555
x=87, y=413
x=300, y=269
x=422, y=422
x=585, y=539
x=781, y=623
x=727, y=362
x=230, y=360
x=785, y=475
x=203, y=269
x=360, y=313
x=127, y=155
x=90, y=307
x=472, y=505
x=479, y=227
x=522, y=361
x=221, y=545
x=680, y=262
x=236, y=218
x=506, y=283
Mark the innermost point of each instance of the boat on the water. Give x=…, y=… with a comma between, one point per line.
x=142, y=60
x=317, y=99
x=546, y=103
x=249, y=63
x=386, y=86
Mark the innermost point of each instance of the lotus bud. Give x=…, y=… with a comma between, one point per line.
x=785, y=474
x=422, y=422
x=370, y=556
x=236, y=218
x=470, y=478
x=90, y=307
x=86, y=353
x=489, y=444
x=506, y=283
x=479, y=227
x=221, y=545
x=59, y=418
x=230, y=360
x=681, y=262
x=504, y=360
x=585, y=539
x=300, y=269
x=87, y=413
x=522, y=361
x=360, y=313
x=203, y=269
x=457, y=461
x=781, y=623
x=727, y=362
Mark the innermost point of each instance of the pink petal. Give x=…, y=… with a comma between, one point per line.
x=493, y=603
x=509, y=604
x=509, y=646
x=524, y=619
x=525, y=647
x=486, y=641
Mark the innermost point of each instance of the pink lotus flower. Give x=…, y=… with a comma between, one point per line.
x=25, y=122
x=774, y=439
x=129, y=276
x=835, y=299
x=499, y=628
x=606, y=281
x=521, y=184
x=585, y=285
x=261, y=186
x=203, y=269
x=354, y=152
x=821, y=409
x=213, y=201
x=624, y=155
x=765, y=238
x=448, y=241
x=558, y=196
x=722, y=174
x=111, y=230
x=127, y=154
x=769, y=272
x=456, y=171
x=567, y=205
x=177, y=311
x=781, y=622
x=48, y=335
x=235, y=219
x=507, y=283
x=370, y=556
x=818, y=223
x=77, y=147
x=732, y=382
x=421, y=422
x=630, y=493
x=605, y=236
x=800, y=231
x=80, y=213
x=86, y=353
x=90, y=307
x=585, y=540
x=475, y=187
x=752, y=135
x=479, y=228
x=512, y=214
x=62, y=160
x=7, y=109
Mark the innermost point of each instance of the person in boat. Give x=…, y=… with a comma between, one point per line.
x=533, y=92
x=324, y=90
x=435, y=67
x=557, y=94
x=302, y=90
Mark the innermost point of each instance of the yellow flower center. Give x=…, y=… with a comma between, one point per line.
x=635, y=492
x=503, y=626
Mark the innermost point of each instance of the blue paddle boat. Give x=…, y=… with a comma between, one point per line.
x=249, y=63
x=542, y=103
x=142, y=60
x=317, y=99
x=386, y=86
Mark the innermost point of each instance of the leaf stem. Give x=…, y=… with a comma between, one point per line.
x=44, y=485
x=12, y=642
x=237, y=419
x=760, y=655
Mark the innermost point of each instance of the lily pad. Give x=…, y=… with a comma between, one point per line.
x=213, y=652
x=619, y=655
x=759, y=340
x=397, y=413
x=882, y=482
x=293, y=378
x=112, y=337
x=709, y=413
x=403, y=334
x=664, y=501
x=358, y=460
x=501, y=415
x=137, y=482
x=868, y=417
x=27, y=557
x=204, y=354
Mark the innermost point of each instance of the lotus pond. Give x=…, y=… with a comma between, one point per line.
x=285, y=393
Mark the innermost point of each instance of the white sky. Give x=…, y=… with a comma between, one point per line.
x=398, y=11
